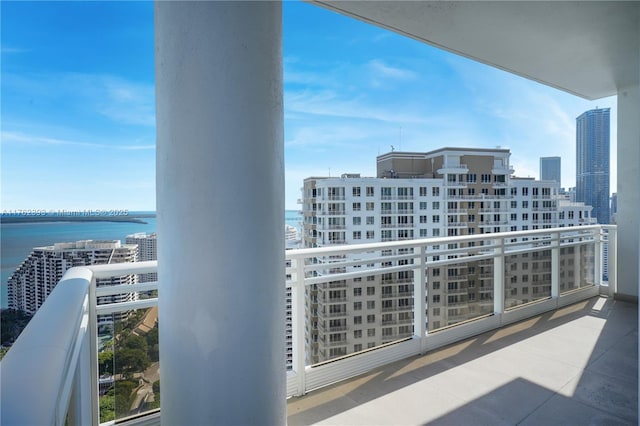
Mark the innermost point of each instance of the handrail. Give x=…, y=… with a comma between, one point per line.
x=57, y=331
x=65, y=324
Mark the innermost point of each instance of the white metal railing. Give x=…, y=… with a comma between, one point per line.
x=65, y=327
x=50, y=374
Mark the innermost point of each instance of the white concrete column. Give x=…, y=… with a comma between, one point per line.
x=220, y=185
x=628, y=216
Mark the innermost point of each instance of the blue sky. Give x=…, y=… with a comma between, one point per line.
x=78, y=104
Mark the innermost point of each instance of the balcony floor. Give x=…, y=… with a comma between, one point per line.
x=577, y=365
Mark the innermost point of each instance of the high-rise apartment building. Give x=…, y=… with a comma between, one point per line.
x=35, y=278
x=592, y=162
x=446, y=192
x=147, y=250
x=550, y=169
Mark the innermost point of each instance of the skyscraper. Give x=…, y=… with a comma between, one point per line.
x=147, y=250
x=592, y=162
x=40, y=272
x=550, y=169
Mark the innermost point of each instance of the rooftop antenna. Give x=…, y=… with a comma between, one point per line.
x=329, y=171
x=392, y=148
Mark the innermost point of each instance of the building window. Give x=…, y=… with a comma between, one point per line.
x=423, y=205
x=371, y=319
x=357, y=348
x=357, y=306
x=357, y=334
x=370, y=191
x=356, y=207
x=371, y=291
x=334, y=352
x=435, y=232
x=371, y=304
x=435, y=218
x=371, y=332
x=370, y=235
x=423, y=191
x=357, y=291
x=357, y=235
x=370, y=206
x=370, y=220
x=436, y=298
x=357, y=320
x=356, y=191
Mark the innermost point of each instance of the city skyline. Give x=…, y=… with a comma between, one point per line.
x=78, y=96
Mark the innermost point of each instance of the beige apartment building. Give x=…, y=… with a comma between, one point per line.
x=446, y=192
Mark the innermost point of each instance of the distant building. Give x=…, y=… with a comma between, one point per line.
x=592, y=162
x=569, y=193
x=550, y=169
x=446, y=192
x=614, y=207
x=39, y=273
x=147, y=250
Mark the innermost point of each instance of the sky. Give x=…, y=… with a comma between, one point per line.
x=78, y=110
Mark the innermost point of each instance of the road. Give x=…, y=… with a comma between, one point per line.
x=145, y=392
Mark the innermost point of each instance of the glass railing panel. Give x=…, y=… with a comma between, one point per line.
x=129, y=367
x=527, y=277
x=577, y=267
x=358, y=302
x=459, y=292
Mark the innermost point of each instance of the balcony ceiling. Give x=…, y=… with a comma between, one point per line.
x=587, y=48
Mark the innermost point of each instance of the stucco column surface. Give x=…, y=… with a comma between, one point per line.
x=628, y=215
x=220, y=185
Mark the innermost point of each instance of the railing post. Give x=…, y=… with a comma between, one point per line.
x=93, y=353
x=555, y=265
x=299, y=316
x=419, y=299
x=613, y=260
x=598, y=264
x=498, y=277
x=80, y=412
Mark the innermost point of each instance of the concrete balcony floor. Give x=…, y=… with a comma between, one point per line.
x=574, y=366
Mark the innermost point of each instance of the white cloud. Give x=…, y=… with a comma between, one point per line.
x=382, y=70
x=329, y=103
x=17, y=137
x=8, y=50
x=120, y=100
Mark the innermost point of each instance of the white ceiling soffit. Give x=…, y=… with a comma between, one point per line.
x=588, y=48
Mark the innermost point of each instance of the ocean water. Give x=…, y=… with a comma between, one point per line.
x=18, y=239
